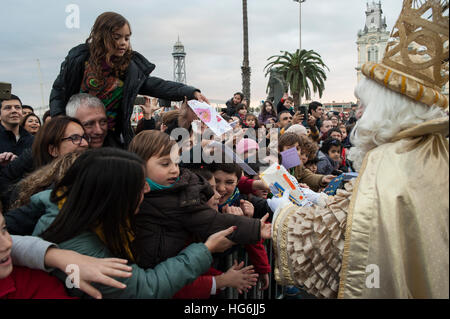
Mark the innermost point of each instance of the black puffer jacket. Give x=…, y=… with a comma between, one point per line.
x=12, y=174
x=137, y=81
x=169, y=218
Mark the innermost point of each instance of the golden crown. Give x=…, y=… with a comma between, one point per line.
x=415, y=62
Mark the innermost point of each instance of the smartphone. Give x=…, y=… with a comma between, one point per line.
x=140, y=100
x=303, y=110
x=269, y=125
x=223, y=109
x=5, y=91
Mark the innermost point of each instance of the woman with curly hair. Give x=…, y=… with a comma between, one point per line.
x=107, y=67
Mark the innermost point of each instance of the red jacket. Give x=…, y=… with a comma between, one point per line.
x=200, y=288
x=245, y=185
x=26, y=283
x=257, y=256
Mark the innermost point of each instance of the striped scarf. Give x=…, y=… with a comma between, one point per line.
x=232, y=199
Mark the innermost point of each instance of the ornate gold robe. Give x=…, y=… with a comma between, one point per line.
x=396, y=242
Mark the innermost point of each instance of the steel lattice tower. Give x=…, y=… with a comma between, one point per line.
x=179, y=66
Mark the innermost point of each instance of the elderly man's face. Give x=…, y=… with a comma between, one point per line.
x=95, y=123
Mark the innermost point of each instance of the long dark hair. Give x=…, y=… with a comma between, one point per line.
x=50, y=133
x=263, y=109
x=101, y=40
x=102, y=190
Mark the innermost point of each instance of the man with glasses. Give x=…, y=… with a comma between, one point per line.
x=91, y=113
x=13, y=138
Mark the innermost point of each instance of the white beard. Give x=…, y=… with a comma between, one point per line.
x=356, y=156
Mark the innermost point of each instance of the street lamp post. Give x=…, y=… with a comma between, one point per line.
x=300, y=23
x=300, y=36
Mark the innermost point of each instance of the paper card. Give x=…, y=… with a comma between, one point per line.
x=208, y=115
x=290, y=158
x=277, y=178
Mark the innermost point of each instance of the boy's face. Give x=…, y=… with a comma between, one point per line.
x=335, y=153
x=6, y=265
x=304, y=158
x=288, y=104
x=312, y=167
x=336, y=135
x=225, y=185
x=162, y=170
x=214, y=200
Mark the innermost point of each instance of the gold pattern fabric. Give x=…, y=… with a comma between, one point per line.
x=415, y=61
x=395, y=217
x=398, y=219
x=310, y=242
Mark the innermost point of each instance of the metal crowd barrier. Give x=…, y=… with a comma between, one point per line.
x=274, y=291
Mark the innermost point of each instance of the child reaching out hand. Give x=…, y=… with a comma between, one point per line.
x=175, y=208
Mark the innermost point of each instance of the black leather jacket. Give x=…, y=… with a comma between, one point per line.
x=137, y=81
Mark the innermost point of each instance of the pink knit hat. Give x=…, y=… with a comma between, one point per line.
x=245, y=145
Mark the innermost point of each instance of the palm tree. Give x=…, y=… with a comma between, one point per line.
x=300, y=69
x=245, y=69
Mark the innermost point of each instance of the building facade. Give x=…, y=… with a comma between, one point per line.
x=372, y=40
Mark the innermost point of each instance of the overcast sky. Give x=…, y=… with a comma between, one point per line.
x=211, y=31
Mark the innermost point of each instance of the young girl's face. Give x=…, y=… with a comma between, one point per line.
x=214, y=200
x=243, y=111
x=251, y=122
x=268, y=108
x=162, y=170
x=344, y=132
x=121, y=39
x=6, y=266
x=225, y=184
x=334, y=153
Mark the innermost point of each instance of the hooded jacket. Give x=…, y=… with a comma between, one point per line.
x=168, y=218
x=136, y=81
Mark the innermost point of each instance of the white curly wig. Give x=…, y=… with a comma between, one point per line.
x=385, y=114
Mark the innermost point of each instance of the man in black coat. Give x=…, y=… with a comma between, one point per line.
x=13, y=138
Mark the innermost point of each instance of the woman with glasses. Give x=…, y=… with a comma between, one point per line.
x=60, y=136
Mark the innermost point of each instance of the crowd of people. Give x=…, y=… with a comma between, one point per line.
x=127, y=197
x=84, y=187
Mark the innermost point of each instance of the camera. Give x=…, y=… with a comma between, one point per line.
x=140, y=100
x=5, y=91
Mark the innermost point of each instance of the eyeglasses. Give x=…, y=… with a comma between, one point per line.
x=76, y=139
